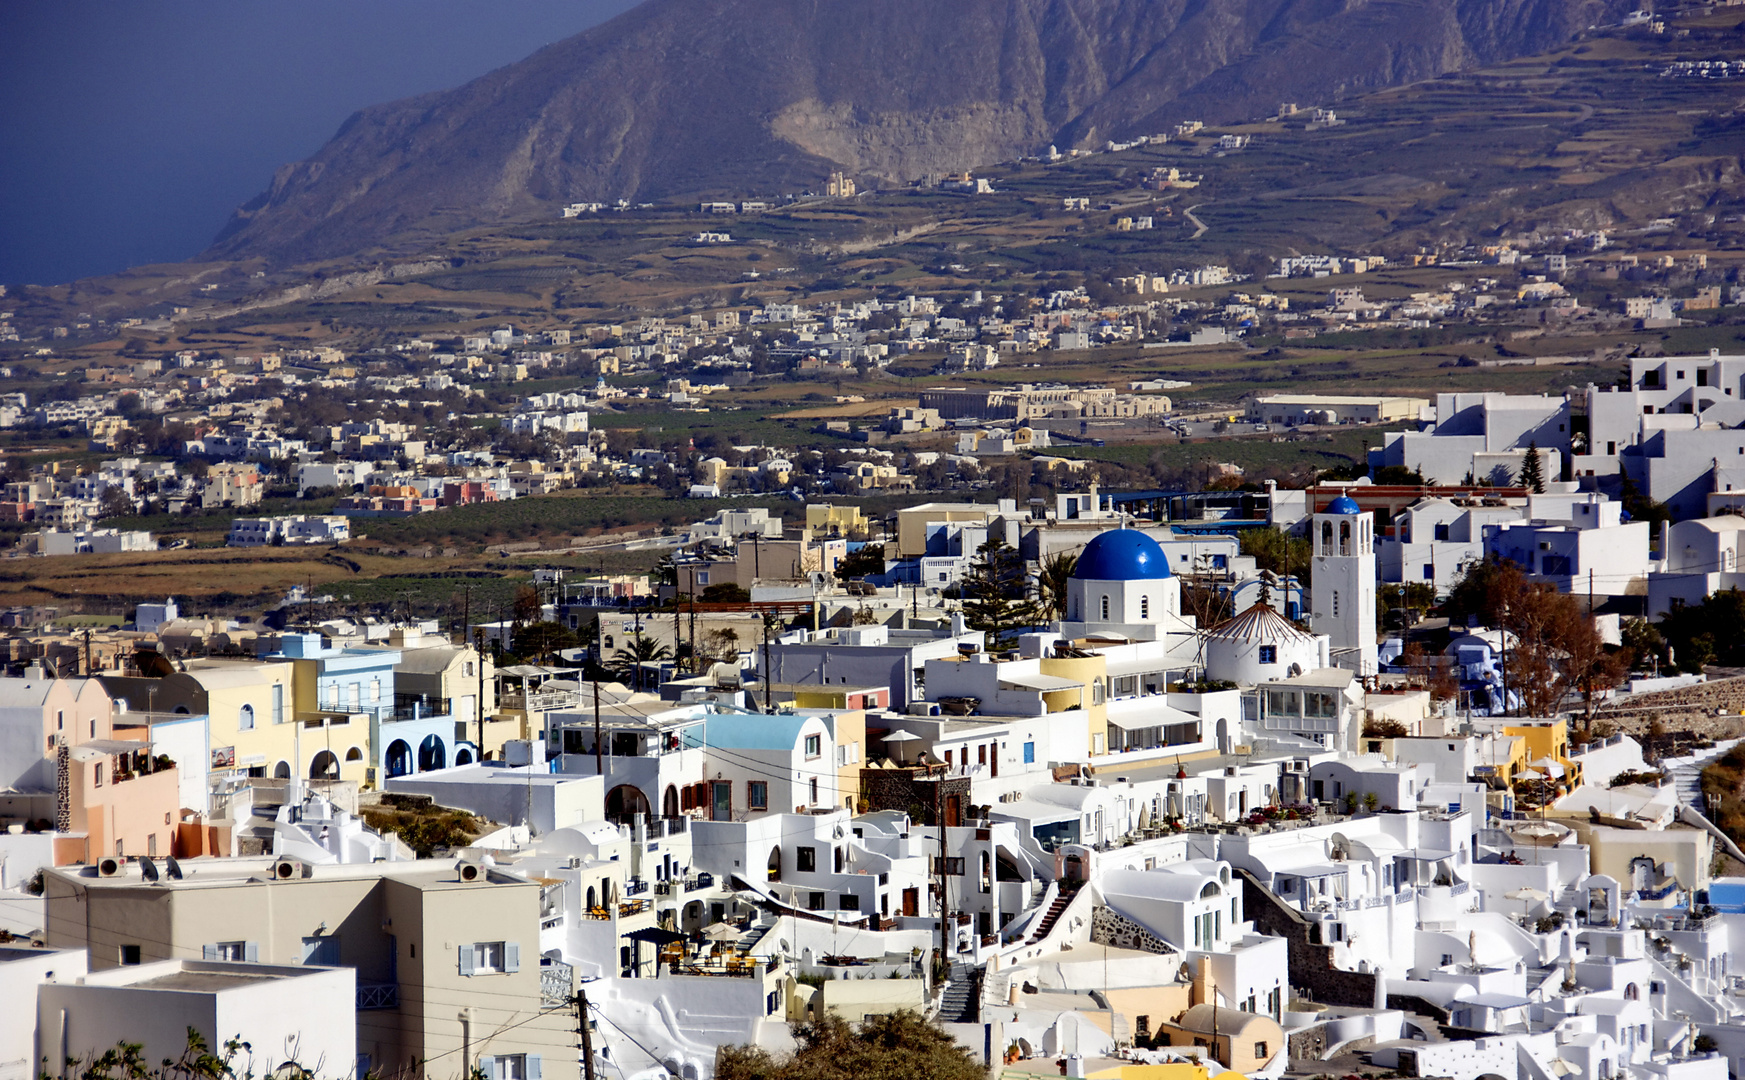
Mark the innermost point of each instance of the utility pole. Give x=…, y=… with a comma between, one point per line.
x=89, y=671
x=599, y=753
x=586, y=1036
x=944, y=912
x=479, y=695
x=768, y=672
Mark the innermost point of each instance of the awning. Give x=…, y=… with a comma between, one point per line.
x=655, y=935
x=1495, y=1001
x=1040, y=682
x=1429, y=855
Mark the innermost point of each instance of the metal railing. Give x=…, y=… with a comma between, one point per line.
x=378, y=996
x=557, y=984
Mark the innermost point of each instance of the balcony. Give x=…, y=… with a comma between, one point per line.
x=378, y=996
x=557, y=984
x=537, y=701
x=420, y=707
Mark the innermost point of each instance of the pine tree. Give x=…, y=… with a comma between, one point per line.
x=996, y=595
x=1532, y=472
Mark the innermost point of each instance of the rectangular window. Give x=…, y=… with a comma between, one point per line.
x=490, y=957
x=228, y=950
x=278, y=703
x=1029, y=753
x=97, y=774
x=1269, y=654
x=1260, y=1051
x=812, y=792
x=130, y=955
x=815, y=901
x=1429, y=571
x=848, y=902
x=814, y=746
x=806, y=860
x=757, y=794
x=510, y=1067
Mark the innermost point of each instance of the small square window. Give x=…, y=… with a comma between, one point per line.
x=806, y=859
x=130, y=955
x=1269, y=654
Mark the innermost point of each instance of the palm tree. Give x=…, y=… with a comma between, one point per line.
x=1051, y=580
x=627, y=662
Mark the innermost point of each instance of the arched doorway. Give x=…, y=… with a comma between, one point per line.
x=624, y=802
x=432, y=754
x=282, y=771
x=398, y=760
x=324, y=767
x=773, y=869
x=463, y=756
x=669, y=803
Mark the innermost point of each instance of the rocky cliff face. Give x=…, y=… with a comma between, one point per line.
x=761, y=96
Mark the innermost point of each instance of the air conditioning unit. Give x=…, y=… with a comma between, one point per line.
x=108, y=867
x=470, y=872
x=287, y=869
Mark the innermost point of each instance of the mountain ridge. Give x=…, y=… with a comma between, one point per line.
x=733, y=96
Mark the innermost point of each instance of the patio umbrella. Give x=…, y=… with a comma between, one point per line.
x=1537, y=831
x=1530, y=774
x=900, y=737
x=1528, y=897
x=722, y=932
x=1549, y=765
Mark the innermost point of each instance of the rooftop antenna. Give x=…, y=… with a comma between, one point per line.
x=175, y=868
x=148, y=869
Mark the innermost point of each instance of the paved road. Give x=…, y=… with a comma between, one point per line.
x=1199, y=226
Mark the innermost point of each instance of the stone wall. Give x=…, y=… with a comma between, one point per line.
x=1312, y=973
x=903, y=790
x=1110, y=927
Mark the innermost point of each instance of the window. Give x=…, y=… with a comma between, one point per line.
x=1260, y=1051
x=278, y=703
x=97, y=775
x=231, y=950
x=1030, y=753
x=814, y=746
x=245, y=718
x=1105, y=609
x=757, y=795
x=130, y=955
x=510, y=1067
x=815, y=901
x=806, y=860
x=469, y=666
x=1144, y=607
x=1442, y=531
x=60, y=719
x=812, y=793
x=1269, y=654
x=953, y=865
x=151, y=844
x=490, y=957
x=848, y=902
x=356, y=693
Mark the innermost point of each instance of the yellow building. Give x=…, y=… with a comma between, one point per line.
x=1547, y=740
x=1117, y=1070
x=1092, y=696
x=912, y=523
x=830, y=520
x=250, y=715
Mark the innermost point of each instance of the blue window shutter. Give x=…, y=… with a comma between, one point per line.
x=208, y=952
x=251, y=951
x=466, y=959
x=533, y=1067
x=511, y=956
x=487, y=1067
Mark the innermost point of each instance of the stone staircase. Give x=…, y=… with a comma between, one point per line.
x=961, y=1003
x=1052, y=915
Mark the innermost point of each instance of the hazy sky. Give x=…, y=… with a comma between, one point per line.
x=129, y=129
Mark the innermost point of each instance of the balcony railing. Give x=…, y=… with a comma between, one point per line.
x=420, y=707
x=378, y=996
x=556, y=984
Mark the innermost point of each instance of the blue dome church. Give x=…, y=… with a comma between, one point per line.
x=1123, y=580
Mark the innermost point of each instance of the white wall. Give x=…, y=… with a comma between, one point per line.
x=305, y=1013
x=21, y=971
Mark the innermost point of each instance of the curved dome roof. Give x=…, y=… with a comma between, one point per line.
x=1344, y=504
x=1122, y=555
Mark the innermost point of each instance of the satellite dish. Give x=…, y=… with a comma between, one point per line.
x=148, y=869
x=175, y=870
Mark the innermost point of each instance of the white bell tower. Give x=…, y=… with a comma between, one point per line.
x=1343, y=587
